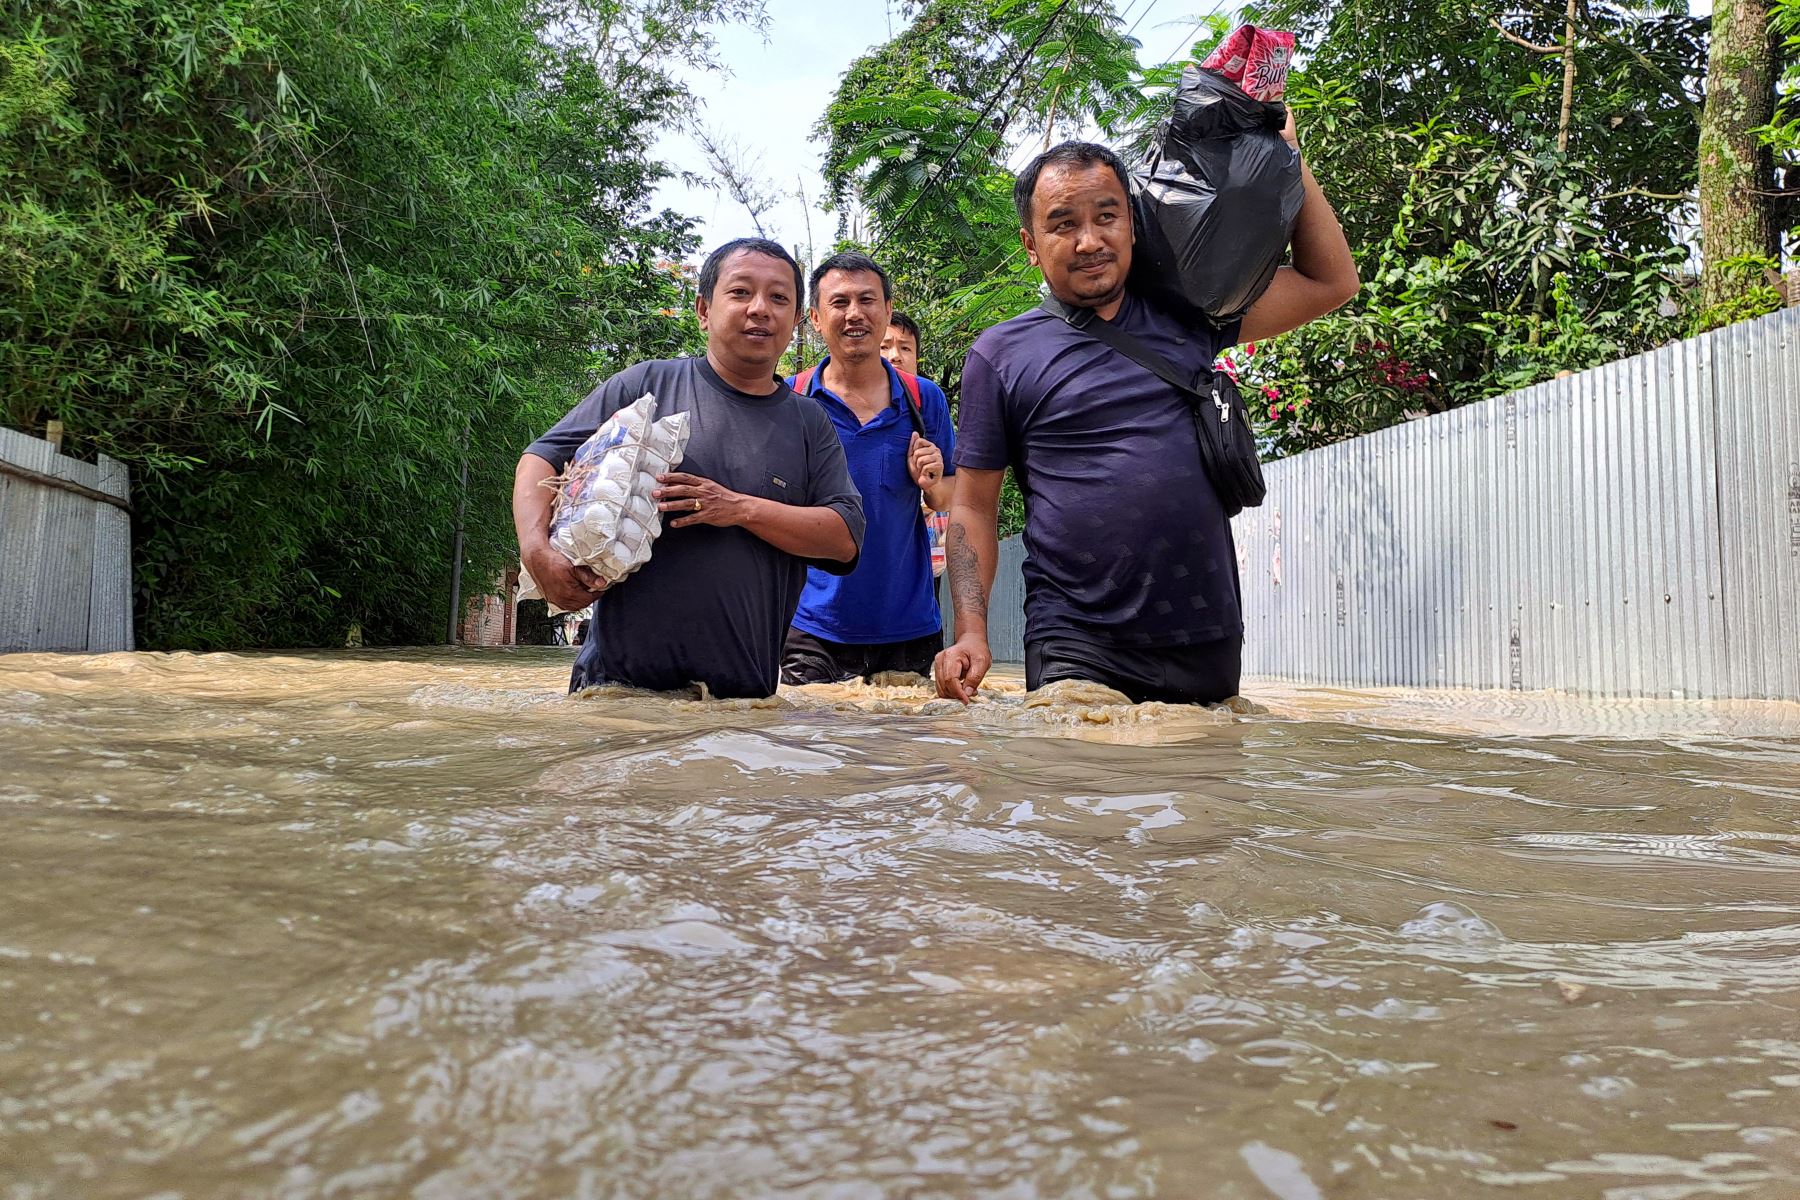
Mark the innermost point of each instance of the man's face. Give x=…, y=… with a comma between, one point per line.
x=1080, y=233
x=898, y=347
x=750, y=318
x=851, y=314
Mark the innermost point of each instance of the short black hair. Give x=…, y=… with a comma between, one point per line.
x=906, y=325
x=1069, y=154
x=715, y=262
x=853, y=262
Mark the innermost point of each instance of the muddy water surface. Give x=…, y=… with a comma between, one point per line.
x=372, y=924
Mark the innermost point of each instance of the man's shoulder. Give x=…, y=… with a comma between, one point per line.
x=650, y=374
x=665, y=367
x=811, y=409
x=1016, y=336
x=1209, y=340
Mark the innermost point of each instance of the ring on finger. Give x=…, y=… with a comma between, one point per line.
x=696, y=504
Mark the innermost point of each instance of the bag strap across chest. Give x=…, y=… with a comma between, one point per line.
x=1228, y=449
x=1131, y=346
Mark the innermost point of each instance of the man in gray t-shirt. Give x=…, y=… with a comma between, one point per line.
x=761, y=494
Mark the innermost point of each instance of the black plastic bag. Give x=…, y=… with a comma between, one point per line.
x=1215, y=203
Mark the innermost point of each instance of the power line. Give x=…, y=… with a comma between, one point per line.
x=1141, y=16
x=1003, y=258
x=1127, y=11
x=980, y=120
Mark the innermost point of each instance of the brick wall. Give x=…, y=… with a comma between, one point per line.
x=488, y=620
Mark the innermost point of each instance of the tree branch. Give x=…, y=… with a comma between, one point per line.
x=737, y=173
x=1516, y=40
x=1589, y=29
x=1648, y=195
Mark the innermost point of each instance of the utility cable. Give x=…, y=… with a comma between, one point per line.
x=1141, y=16
x=999, y=260
x=980, y=120
x=1003, y=258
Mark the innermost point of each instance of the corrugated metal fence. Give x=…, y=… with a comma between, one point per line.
x=1633, y=530
x=1006, y=606
x=65, y=550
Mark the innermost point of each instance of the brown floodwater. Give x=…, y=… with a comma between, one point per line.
x=370, y=924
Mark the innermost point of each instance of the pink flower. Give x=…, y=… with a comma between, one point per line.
x=1250, y=349
x=1271, y=391
x=1274, y=412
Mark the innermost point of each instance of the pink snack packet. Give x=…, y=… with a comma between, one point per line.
x=1255, y=60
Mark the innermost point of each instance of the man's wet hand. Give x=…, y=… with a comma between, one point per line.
x=960, y=669
x=564, y=584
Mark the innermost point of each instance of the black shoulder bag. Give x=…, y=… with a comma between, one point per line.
x=1227, y=443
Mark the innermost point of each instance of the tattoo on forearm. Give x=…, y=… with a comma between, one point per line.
x=966, y=592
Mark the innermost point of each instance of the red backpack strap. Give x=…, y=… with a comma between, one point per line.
x=910, y=385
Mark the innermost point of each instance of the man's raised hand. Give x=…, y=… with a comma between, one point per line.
x=925, y=462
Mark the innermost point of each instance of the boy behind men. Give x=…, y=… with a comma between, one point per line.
x=900, y=345
x=884, y=615
x=901, y=348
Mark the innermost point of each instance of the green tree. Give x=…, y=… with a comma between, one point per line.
x=1738, y=229
x=1517, y=184
x=919, y=133
x=293, y=262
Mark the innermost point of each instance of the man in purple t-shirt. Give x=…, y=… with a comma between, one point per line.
x=1130, y=572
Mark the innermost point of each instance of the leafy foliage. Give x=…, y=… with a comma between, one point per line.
x=1496, y=274
x=920, y=130
x=1783, y=133
x=292, y=262
x=1491, y=258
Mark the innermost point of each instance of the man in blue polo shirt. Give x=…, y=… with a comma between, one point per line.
x=898, y=439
